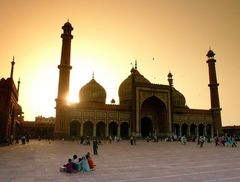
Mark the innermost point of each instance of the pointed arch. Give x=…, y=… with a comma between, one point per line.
x=124, y=130
x=88, y=129
x=193, y=130
x=113, y=128
x=100, y=129
x=75, y=128
x=146, y=127
x=185, y=129
x=156, y=111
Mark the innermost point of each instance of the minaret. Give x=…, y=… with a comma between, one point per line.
x=64, y=76
x=213, y=85
x=170, y=81
x=12, y=68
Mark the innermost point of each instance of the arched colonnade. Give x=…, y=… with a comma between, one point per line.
x=99, y=129
x=193, y=130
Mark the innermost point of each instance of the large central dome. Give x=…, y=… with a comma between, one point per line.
x=125, y=88
x=92, y=92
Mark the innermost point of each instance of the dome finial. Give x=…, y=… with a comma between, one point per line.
x=135, y=64
x=93, y=75
x=132, y=69
x=131, y=64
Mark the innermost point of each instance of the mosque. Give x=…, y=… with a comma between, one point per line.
x=144, y=109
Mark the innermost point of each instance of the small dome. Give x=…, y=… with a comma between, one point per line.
x=113, y=101
x=178, y=98
x=125, y=88
x=92, y=92
x=67, y=26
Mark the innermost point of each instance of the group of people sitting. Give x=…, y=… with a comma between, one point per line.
x=226, y=140
x=75, y=164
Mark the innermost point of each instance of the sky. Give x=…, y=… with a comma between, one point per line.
x=109, y=35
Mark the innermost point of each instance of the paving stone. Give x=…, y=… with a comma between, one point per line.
x=40, y=161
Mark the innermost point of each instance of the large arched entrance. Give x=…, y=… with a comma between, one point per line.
x=113, y=129
x=88, y=129
x=155, y=110
x=124, y=130
x=100, y=129
x=147, y=127
x=75, y=129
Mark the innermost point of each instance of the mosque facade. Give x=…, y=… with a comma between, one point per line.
x=144, y=109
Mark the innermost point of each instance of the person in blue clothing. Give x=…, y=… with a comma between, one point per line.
x=83, y=165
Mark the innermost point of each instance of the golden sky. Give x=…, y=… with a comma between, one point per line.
x=109, y=35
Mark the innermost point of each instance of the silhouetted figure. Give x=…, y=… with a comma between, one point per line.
x=131, y=140
x=110, y=139
x=23, y=139
x=81, y=139
x=95, y=147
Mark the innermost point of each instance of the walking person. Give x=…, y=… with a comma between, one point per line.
x=131, y=140
x=234, y=143
x=110, y=139
x=202, y=140
x=95, y=147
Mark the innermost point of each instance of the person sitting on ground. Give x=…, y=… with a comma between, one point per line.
x=69, y=166
x=83, y=165
x=75, y=161
x=78, y=166
x=90, y=161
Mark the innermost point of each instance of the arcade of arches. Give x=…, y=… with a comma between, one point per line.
x=100, y=129
x=193, y=130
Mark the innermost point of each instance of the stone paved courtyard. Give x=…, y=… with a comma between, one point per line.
x=121, y=162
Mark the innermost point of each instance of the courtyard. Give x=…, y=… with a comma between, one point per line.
x=121, y=162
